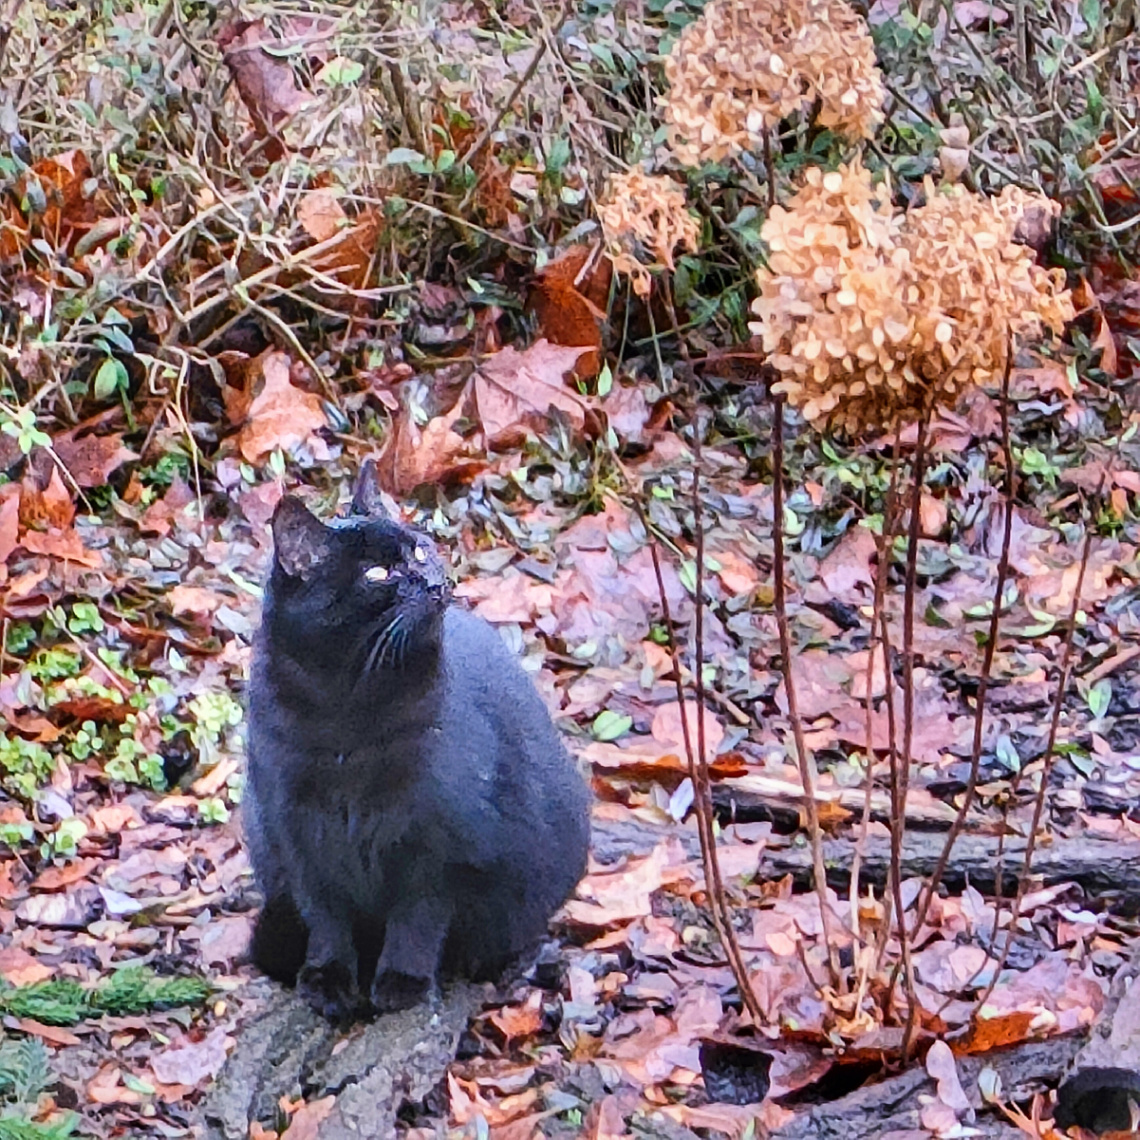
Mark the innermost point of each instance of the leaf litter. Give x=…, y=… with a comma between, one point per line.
x=133, y=550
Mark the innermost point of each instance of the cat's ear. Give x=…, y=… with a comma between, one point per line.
x=300, y=541
x=367, y=499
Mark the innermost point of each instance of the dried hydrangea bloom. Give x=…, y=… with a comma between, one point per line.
x=644, y=219
x=869, y=315
x=740, y=68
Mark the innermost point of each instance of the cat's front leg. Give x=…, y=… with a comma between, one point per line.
x=327, y=981
x=414, y=935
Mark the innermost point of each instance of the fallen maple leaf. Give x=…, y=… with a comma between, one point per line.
x=93, y=458
x=281, y=416
x=435, y=453
x=514, y=391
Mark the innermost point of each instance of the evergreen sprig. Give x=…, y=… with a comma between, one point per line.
x=132, y=990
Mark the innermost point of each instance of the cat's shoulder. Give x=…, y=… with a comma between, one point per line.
x=466, y=632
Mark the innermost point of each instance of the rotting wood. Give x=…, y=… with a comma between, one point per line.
x=892, y=1106
x=284, y=1049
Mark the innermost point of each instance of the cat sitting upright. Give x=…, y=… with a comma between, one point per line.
x=411, y=810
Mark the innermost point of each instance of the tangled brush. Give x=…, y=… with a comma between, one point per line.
x=644, y=219
x=740, y=68
x=871, y=315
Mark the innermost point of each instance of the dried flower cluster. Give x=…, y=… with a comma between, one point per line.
x=870, y=314
x=741, y=68
x=644, y=219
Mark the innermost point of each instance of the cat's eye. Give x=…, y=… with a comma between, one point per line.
x=376, y=574
x=420, y=554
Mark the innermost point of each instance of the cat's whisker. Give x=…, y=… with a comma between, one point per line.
x=384, y=643
x=376, y=647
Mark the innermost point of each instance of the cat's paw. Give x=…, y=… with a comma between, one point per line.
x=330, y=990
x=393, y=990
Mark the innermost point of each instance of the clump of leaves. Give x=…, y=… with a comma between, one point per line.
x=131, y=990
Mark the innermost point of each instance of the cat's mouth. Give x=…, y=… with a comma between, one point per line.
x=410, y=626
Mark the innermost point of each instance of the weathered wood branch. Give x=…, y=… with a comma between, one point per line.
x=1109, y=869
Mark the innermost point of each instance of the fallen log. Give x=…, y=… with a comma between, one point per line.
x=285, y=1050
x=892, y=1107
x=1105, y=1075
x=1108, y=869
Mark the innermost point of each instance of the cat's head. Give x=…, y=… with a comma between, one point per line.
x=364, y=592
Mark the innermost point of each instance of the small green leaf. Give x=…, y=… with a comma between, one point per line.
x=111, y=378
x=1007, y=755
x=402, y=156
x=609, y=725
x=341, y=72
x=688, y=575
x=605, y=381
x=1099, y=697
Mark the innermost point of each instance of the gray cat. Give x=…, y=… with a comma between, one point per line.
x=411, y=810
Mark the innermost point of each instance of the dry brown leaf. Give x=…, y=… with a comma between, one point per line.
x=9, y=522
x=519, y=1020
x=66, y=545
x=91, y=459
x=281, y=415
x=668, y=730
x=435, y=453
x=568, y=299
x=51, y=507
x=265, y=83
x=189, y=1062
x=514, y=391
x=19, y=968
x=305, y=1122
x=194, y=600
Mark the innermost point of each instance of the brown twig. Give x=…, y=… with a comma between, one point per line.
x=702, y=804
x=488, y=131
x=1047, y=763
x=882, y=572
x=959, y=823
x=900, y=772
x=807, y=776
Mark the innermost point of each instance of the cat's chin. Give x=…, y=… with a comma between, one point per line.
x=402, y=637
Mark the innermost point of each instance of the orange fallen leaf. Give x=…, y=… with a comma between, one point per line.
x=281, y=415
x=514, y=391
x=519, y=1020
x=19, y=968
x=91, y=459
x=194, y=600
x=56, y=877
x=9, y=522
x=568, y=298
x=51, y=1033
x=668, y=730
x=305, y=1123
x=66, y=545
